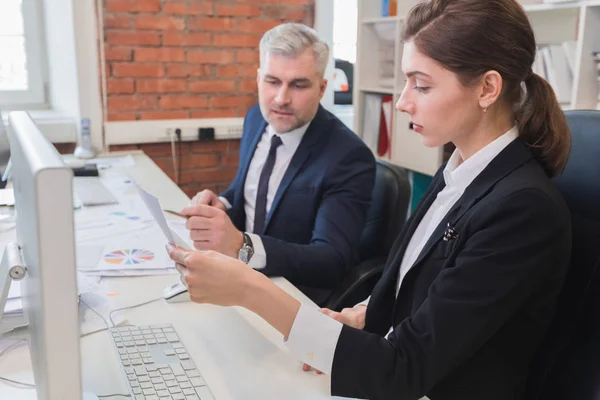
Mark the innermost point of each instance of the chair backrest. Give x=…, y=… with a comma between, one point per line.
x=567, y=365
x=386, y=216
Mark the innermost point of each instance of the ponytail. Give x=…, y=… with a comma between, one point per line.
x=542, y=125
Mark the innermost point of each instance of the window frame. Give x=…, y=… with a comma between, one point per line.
x=35, y=97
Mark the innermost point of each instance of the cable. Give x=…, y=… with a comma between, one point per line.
x=114, y=395
x=94, y=311
x=27, y=385
x=173, y=156
x=178, y=172
x=128, y=307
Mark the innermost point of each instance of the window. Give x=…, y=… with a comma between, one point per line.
x=345, y=16
x=21, y=48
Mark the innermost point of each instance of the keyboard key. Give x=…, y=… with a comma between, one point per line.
x=137, y=390
x=184, y=356
x=163, y=393
x=131, y=377
x=129, y=370
x=187, y=365
x=161, y=340
x=180, y=350
x=197, y=382
x=134, y=384
x=144, y=378
x=166, y=371
x=204, y=393
x=156, y=381
x=147, y=360
x=146, y=385
x=154, y=374
x=178, y=396
x=194, y=397
x=169, y=377
x=171, y=383
x=153, y=397
x=182, y=379
x=189, y=392
x=177, y=346
x=160, y=386
x=149, y=392
x=152, y=368
x=150, y=341
x=172, y=337
x=193, y=373
x=177, y=370
x=174, y=389
x=169, y=352
x=136, y=362
x=185, y=385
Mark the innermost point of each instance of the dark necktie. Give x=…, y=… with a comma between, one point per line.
x=263, y=186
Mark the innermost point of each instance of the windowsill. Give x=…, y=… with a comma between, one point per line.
x=57, y=127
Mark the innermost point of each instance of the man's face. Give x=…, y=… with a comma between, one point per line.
x=289, y=90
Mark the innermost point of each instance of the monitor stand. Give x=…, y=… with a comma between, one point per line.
x=12, y=268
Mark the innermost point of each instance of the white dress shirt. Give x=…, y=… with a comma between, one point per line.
x=290, y=142
x=313, y=336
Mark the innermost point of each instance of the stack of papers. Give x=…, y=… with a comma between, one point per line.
x=125, y=239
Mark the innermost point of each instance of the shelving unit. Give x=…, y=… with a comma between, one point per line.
x=553, y=23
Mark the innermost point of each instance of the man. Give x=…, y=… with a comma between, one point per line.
x=297, y=205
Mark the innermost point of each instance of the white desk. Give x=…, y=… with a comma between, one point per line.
x=239, y=355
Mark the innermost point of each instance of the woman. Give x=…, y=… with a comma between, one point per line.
x=471, y=284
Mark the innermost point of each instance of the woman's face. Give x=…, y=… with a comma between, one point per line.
x=441, y=109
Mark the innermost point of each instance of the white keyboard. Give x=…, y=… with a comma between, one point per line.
x=157, y=365
x=91, y=192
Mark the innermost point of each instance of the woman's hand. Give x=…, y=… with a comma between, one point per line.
x=354, y=317
x=212, y=277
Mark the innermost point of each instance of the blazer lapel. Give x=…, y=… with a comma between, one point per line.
x=314, y=132
x=513, y=156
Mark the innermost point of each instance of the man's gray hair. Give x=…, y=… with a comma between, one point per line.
x=291, y=40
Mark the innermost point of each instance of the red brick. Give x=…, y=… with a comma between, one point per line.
x=155, y=150
x=117, y=53
x=186, y=177
x=133, y=38
x=212, y=24
x=229, y=40
x=132, y=5
x=238, y=10
x=215, y=175
x=210, y=57
x=175, y=8
x=161, y=85
x=134, y=102
x=121, y=116
x=151, y=115
x=260, y=1
x=295, y=14
x=230, y=160
x=184, y=70
x=244, y=70
x=202, y=8
x=182, y=101
x=215, y=113
x=161, y=54
x=273, y=11
x=186, y=39
x=159, y=23
x=249, y=86
x=199, y=161
x=213, y=146
x=232, y=101
x=137, y=70
x=212, y=86
x=233, y=145
x=65, y=148
x=120, y=86
x=117, y=21
x=164, y=163
x=191, y=191
x=247, y=56
x=299, y=2
x=256, y=26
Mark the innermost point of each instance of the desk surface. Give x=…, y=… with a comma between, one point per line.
x=239, y=355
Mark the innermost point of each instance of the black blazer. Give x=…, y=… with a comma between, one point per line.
x=312, y=230
x=473, y=309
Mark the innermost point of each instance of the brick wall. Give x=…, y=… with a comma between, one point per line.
x=177, y=59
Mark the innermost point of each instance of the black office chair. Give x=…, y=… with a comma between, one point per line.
x=385, y=218
x=567, y=365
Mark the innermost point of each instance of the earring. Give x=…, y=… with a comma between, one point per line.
x=485, y=110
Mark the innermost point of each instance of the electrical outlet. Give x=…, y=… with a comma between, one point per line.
x=229, y=131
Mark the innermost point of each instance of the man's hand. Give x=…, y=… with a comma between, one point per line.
x=211, y=229
x=354, y=317
x=209, y=198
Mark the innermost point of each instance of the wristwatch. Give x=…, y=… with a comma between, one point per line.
x=247, y=250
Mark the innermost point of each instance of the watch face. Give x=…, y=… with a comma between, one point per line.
x=244, y=254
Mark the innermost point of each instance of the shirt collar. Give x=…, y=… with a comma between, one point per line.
x=461, y=176
x=290, y=140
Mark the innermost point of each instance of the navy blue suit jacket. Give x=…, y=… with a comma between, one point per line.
x=313, y=227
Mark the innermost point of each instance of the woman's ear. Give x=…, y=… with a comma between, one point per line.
x=491, y=89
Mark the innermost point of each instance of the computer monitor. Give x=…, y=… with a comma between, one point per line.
x=4, y=152
x=45, y=232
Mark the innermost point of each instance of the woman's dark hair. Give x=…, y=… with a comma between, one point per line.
x=471, y=37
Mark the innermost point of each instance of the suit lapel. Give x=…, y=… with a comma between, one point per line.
x=513, y=156
x=315, y=131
